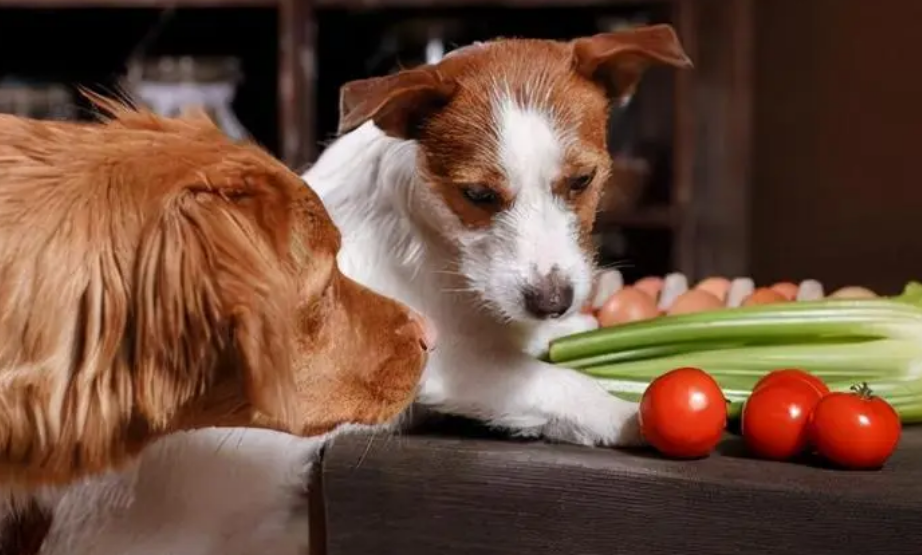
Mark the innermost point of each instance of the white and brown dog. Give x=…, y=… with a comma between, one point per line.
x=466, y=189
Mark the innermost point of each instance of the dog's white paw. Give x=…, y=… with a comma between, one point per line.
x=577, y=323
x=629, y=434
x=614, y=423
x=541, y=339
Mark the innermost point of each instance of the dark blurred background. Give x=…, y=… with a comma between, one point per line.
x=788, y=153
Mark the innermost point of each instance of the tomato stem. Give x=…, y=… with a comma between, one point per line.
x=862, y=390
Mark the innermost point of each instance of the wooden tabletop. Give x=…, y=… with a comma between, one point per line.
x=454, y=495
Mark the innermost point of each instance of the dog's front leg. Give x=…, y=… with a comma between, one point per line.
x=513, y=391
x=541, y=337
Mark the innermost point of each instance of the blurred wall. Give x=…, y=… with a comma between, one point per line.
x=837, y=155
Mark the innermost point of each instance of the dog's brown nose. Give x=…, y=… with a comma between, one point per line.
x=428, y=336
x=548, y=297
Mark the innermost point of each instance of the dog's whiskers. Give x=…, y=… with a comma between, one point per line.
x=617, y=265
x=459, y=290
x=450, y=273
x=371, y=440
x=224, y=440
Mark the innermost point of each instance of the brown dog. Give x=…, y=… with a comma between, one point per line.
x=155, y=277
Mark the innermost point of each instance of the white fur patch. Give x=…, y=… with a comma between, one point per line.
x=539, y=233
x=530, y=147
x=209, y=492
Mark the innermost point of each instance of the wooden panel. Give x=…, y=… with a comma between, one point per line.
x=436, y=4
x=316, y=509
x=297, y=86
x=59, y=4
x=451, y=496
x=721, y=99
x=838, y=116
x=653, y=217
x=683, y=141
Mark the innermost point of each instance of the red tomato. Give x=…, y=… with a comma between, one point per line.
x=775, y=419
x=683, y=413
x=855, y=430
x=777, y=376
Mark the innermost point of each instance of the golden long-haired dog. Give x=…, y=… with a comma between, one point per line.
x=155, y=277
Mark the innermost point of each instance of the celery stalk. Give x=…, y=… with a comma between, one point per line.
x=743, y=366
x=861, y=318
x=878, y=341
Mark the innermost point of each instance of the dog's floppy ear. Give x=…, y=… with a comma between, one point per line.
x=618, y=59
x=397, y=103
x=213, y=297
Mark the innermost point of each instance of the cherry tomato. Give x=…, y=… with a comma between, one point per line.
x=855, y=430
x=683, y=413
x=778, y=376
x=775, y=419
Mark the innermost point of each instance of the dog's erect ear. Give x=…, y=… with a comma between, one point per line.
x=214, y=297
x=618, y=59
x=397, y=103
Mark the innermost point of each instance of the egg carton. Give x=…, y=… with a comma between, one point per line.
x=668, y=289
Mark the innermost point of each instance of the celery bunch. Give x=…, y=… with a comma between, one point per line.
x=878, y=341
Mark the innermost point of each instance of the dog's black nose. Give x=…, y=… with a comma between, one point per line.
x=549, y=297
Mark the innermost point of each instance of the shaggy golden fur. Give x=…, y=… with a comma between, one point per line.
x=154, y=277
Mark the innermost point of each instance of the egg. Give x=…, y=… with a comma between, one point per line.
x=651, y=285
x=853, y=292
x=695, y=300
x=717, y=286
x=764, y=295
x=607, y=283
x=627, y=305
x=810, y=290
x=740, y=289
x=787, y=289
x=673, y=286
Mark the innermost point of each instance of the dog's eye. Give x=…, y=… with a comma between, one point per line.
x=580, y=183
x=479, y=195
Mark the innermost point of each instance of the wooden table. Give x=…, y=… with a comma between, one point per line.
x=470, y=496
